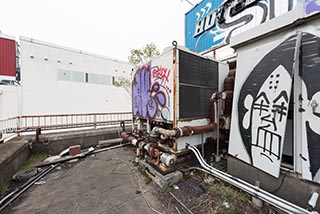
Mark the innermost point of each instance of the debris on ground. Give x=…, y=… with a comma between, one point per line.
x=39, y=182
x=74, y=150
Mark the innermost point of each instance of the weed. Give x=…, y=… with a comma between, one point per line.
x=3, y=189
x=213, y=187
x=135, y=164
x=166, y=189
x=34, y=159
x=147, y=179
x=230, y=194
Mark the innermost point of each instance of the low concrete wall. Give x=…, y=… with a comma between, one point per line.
x=287, y=186
x=53, y=144
x=13, y=154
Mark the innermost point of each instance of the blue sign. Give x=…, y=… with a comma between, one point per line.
x=199, y=19
x=212, y=23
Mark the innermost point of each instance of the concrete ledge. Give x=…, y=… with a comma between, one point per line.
x=287, y=186
x=54, y=143
x=162, y=181
x=13, y=154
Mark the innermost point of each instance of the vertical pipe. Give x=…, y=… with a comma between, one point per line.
x=175, y=87
x=298, y=119
x=18, y=125
x=217, y=158
x=202, y=145
x=175, y=146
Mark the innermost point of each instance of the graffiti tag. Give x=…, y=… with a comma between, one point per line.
x=161, y=73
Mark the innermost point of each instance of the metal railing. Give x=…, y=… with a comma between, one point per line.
x=28, y=123
x=8, y=127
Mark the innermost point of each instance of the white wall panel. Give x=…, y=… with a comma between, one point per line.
x=54, y=82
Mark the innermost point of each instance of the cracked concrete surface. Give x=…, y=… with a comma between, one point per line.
x=103, y=183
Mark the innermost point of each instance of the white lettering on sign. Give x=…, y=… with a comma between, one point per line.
x=229, y=10
x=205, y=24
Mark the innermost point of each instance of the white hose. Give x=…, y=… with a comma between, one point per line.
x=249, y=188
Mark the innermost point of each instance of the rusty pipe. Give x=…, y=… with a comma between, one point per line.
x=129, y=138
x=192, y=130
x=184, y=131
x=126, y=137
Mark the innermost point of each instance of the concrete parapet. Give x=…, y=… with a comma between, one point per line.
x=54, y=143
x=12, y=156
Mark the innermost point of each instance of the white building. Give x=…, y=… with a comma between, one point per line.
x=60, y=80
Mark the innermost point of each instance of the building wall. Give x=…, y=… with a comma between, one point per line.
x=58, y=80
x=9, y=100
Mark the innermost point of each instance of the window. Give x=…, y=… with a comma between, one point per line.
x=86, y=77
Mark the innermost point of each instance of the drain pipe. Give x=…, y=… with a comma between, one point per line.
x=249, y=188
x=216, y=98
x=217, y=157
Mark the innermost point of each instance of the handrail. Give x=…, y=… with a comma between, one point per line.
x=27, y=123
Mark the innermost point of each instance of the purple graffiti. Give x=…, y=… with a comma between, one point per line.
x=147, y=100
x=140, y=91
x=312, y=6
x=161, y=98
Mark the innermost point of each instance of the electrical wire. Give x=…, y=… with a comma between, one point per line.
x=281, y=183
x=140, y=186
x=190, y=3
x=182, y=204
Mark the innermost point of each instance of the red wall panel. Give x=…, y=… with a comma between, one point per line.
x=7, y=57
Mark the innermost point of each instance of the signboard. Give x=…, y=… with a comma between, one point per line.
x=7, y=57
x=212, y=23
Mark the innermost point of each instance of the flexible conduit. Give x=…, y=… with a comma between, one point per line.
x=249, y=188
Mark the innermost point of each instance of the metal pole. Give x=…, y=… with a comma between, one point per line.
x=217, y=158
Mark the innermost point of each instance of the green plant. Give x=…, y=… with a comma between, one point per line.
x=166, y=189
x=3, y=189
x=32, y=160
x=213, y=187
x=147, y=179
x=135, y=164
x=138, y=57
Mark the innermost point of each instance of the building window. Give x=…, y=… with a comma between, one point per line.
x=86, y=77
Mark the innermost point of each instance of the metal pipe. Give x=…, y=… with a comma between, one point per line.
x=249, y=188
x=109, y=148
x=184, y=131
x=217, y=158
x=175, y=73
x=28, y=185
x=205, y=165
